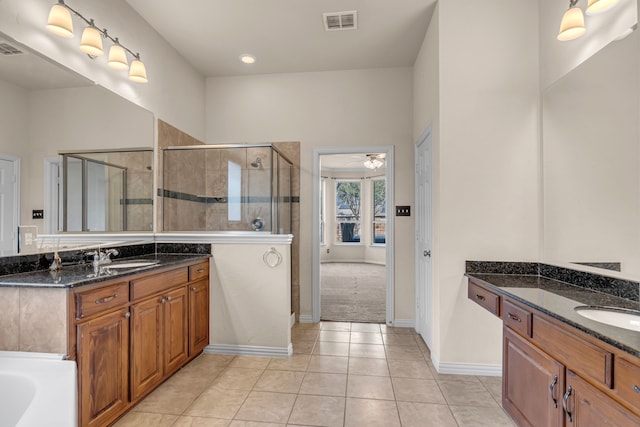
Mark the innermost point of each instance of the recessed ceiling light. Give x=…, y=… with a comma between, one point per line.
x=247, y=59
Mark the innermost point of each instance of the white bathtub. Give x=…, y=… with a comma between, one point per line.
x=37, y=389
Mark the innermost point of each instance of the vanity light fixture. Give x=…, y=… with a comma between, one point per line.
x=61, y=24
x=572, y=25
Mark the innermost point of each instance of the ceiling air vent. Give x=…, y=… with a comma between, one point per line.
x=7, y=49
x=340, y=20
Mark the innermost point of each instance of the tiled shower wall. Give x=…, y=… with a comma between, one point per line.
x=207, y=181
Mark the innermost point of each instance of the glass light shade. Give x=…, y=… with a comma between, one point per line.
x=597, y=6
x=137, y=72
x=91, y=42
x=572, y=25
x=118, y=58
x=60, y=22
x=373, y=163
x=247, y=59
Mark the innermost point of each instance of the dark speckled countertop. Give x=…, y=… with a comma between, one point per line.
x=79, y=275
x=558, y=299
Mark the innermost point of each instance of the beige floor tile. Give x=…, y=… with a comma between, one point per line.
x=403, y=352
x=239, y=423
x=303, y=347
x=304, y=334
x=369, y=387
x=365, y=327
x=393, y=330
x=331, y=348
x=307, y=326
x=397, y=339
x=172, y=397
x=470, y=416
x=324, y=384
x=494, y=385
x=414, y=414
x=410, y=369
x=335, y=326
x=318, y=411
x=367, y=350
x=144, y=419
x=367, y=366
x=334, y=336
x=297, y=362
x=461, y=393
x=266, y=407
x=208, y=361
x=250, y=362
x=217, y=402
x=366, y=338
x=185, y=421
x=328, y=364
x=238, y=378
x=280, y=381
x=371, y=413
x=417, y=390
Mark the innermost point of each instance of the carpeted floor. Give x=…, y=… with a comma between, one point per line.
x=353, y=292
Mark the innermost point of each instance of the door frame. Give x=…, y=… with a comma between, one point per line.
x=389, y=243
x=52, y=205
x=16, y=196
x=424, y=291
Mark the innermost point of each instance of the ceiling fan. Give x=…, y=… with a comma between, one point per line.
x=371, y=160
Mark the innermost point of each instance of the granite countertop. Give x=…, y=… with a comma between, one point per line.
x=71, y=276
x=558, y=299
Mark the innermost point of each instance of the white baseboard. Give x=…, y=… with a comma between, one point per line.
x=292, y=320
x=248, y=350
x=454, y=368
x=403, y=323
x=306, y=318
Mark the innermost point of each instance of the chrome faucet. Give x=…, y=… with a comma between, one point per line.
x=101, y=258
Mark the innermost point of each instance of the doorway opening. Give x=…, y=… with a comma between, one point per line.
x=9, y=203
x=353, y=244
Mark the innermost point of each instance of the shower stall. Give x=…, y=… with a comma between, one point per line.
x=232, y=187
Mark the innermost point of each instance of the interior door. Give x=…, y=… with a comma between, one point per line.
x=423, y=245
x=8, y=212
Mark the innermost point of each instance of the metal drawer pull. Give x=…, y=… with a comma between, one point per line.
x=107, y=299
x=480, y=297
x=272, y=258
x=201, y=270
x=514, y=317
x=636, y=389
x=552, y=387
x=564, y=403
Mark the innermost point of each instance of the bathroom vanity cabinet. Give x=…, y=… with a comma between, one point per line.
x=132, y=333
x=557, y=375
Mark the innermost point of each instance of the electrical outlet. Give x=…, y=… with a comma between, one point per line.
x=403, y=210
x=37, y=214
x=328, y=250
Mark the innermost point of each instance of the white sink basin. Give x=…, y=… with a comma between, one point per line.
x=619, y=317
x=131, y=264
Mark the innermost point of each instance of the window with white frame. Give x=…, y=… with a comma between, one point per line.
x=379, y=210
x=348, y=195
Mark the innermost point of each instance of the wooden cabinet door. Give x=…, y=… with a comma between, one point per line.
x=146, y=346
x=103, y=353
x=532, y=383
x=585, y=406
x=176, y=329
x=198, y=316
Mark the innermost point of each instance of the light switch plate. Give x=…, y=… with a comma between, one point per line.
x=403, y=210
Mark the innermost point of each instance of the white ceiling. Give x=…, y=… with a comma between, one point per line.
x=288, y=35
x=353, y=161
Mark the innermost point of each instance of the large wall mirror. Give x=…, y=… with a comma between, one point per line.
x=46, y=110
x=591, y=161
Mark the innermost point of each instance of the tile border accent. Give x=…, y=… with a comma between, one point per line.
x=249, y=350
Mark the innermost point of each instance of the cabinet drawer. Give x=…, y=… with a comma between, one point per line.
x=198, y=271
x=564, y=344
x=485, y=298
x=101, y=299
x=150, y=285
x=517, y=318
x=627, y=382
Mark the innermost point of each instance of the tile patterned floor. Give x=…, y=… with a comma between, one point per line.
x=341, y=375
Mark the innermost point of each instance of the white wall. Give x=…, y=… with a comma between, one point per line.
x=14, y=130
x=558, y=58
x=175, y=92
x=325, y=109
x=486, y=156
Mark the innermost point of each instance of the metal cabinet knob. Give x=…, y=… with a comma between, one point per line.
x=127, y=315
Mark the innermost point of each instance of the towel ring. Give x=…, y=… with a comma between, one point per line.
x=272, y=258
